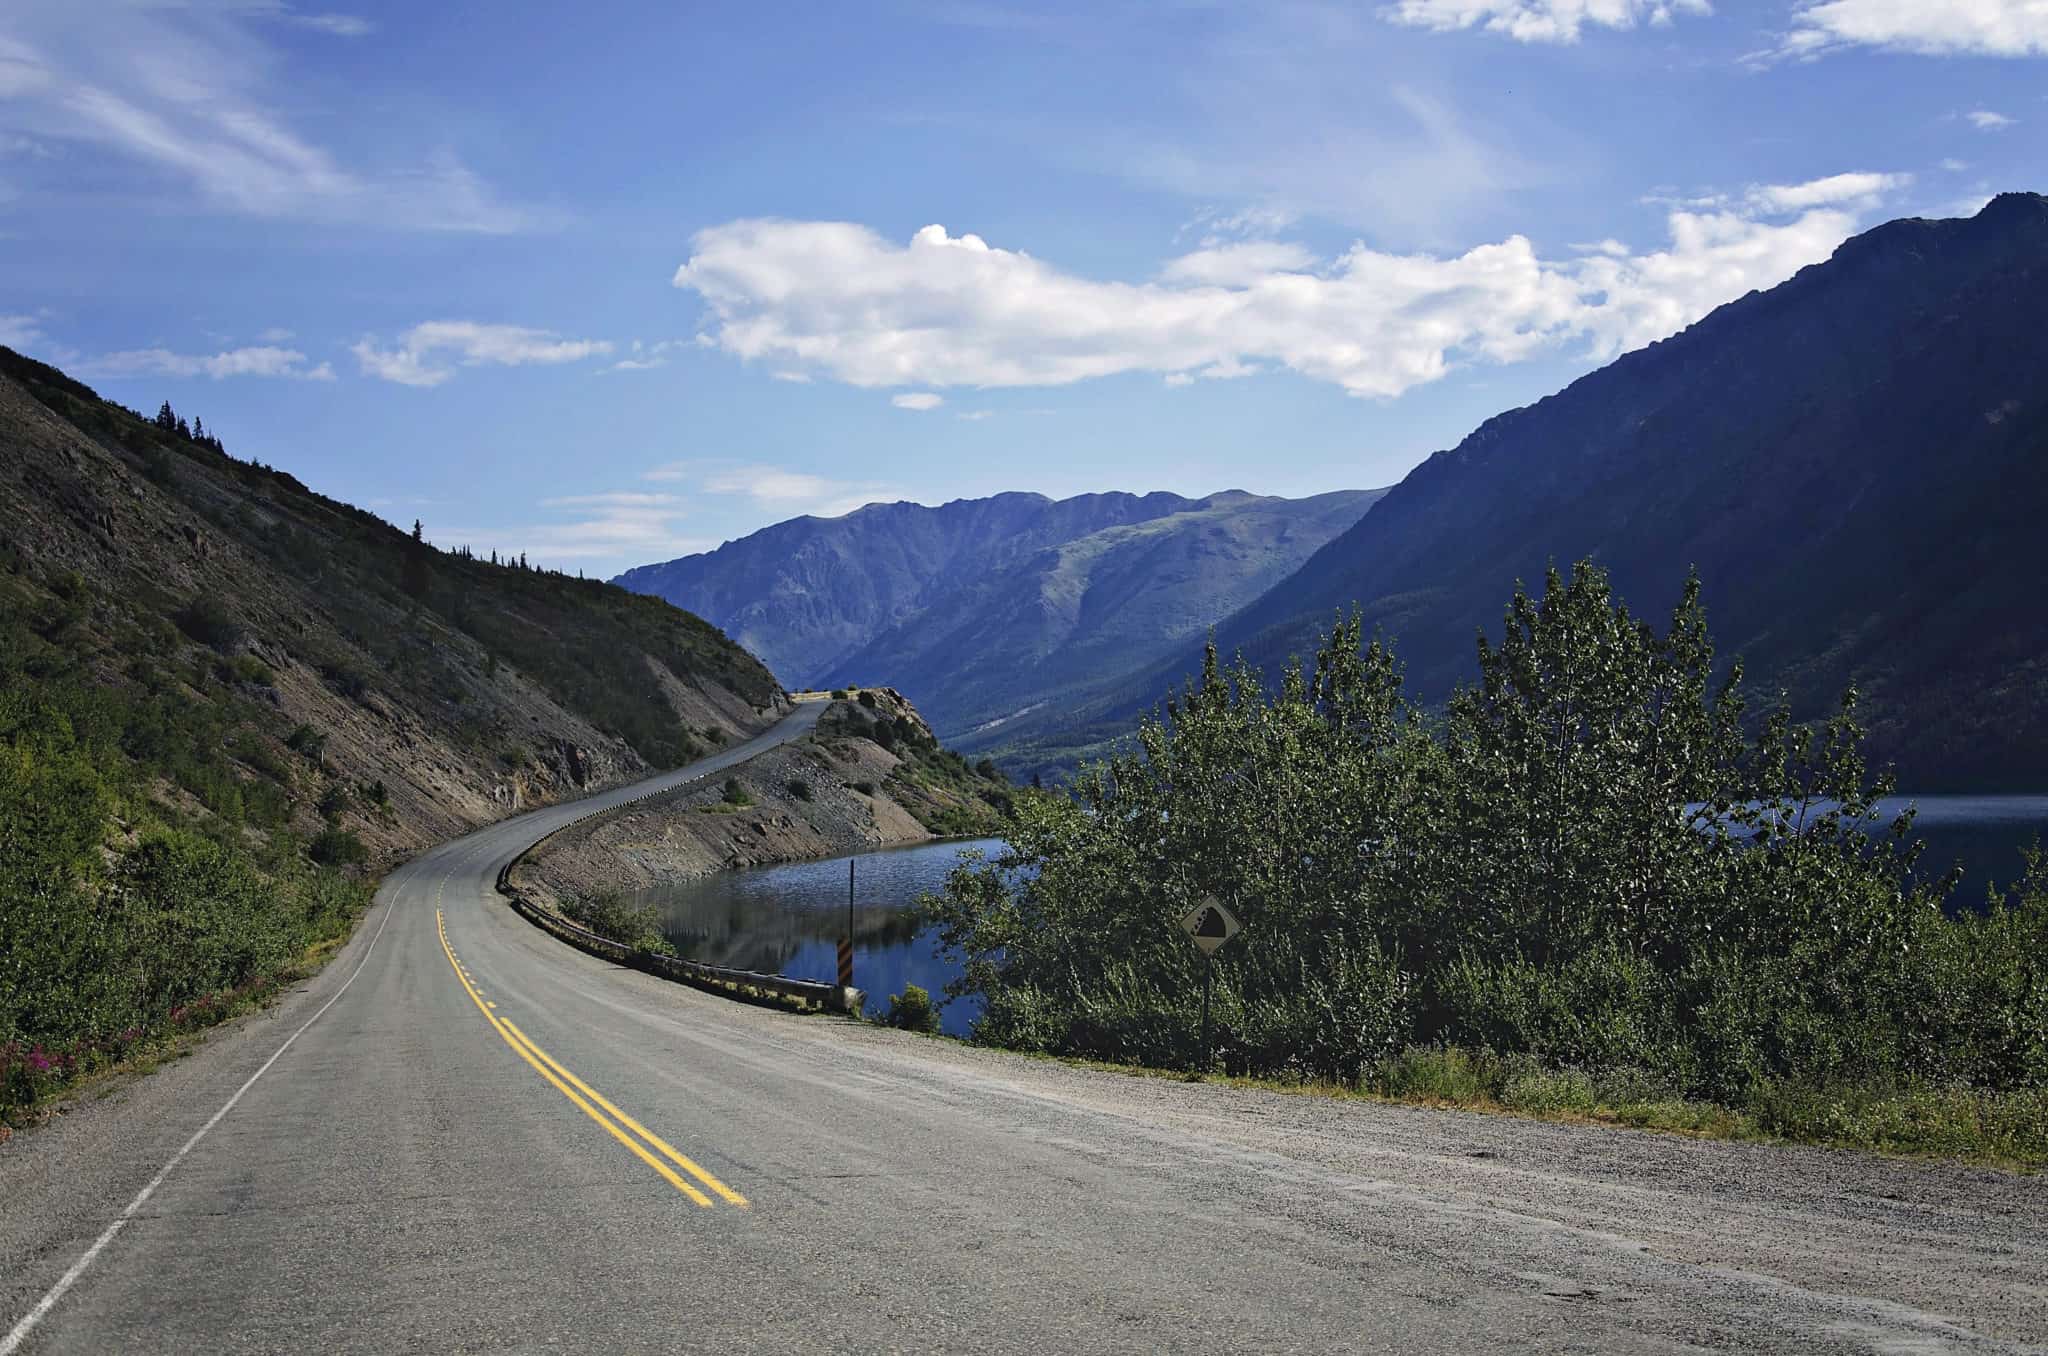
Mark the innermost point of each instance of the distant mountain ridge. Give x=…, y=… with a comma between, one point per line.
x=1855, y=460
x=979, y=608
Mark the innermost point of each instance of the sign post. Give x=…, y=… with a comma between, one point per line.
x=846, y=942
x=1209, y=925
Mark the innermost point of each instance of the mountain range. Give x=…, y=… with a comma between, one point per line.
x=1855, y=461
x=984, y=608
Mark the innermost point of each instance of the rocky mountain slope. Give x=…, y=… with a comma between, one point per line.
x=981, y=608
x=871, y=775
x=263, y=645
x=1856, y=461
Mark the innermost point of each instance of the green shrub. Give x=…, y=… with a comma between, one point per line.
x=736, y=794
x=865, y=788
x=347, y=680
x=309, y=743
x=838, y=694
x=913, y=1010
x=608, y=914
x=338, y=847
x=207, y=621
x=799, y=788
x=1593, y=867
x=867, y=699
x=249, y=669
x=333, y=802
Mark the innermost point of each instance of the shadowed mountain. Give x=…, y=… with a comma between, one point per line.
x=1856, y=461
x=273, y=663
x=982, y=608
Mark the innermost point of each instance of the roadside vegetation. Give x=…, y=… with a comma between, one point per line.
x=160, y=867
x=1589, y=886
x=943, y=790
x=608, y=913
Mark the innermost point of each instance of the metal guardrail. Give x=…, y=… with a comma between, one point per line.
x=803, y=994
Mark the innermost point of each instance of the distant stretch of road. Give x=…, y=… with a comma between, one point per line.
x=463, y=1135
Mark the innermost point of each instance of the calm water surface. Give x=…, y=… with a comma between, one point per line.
x=1983, y=834
x=788, y=919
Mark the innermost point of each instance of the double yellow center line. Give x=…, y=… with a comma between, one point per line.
x=593, y=1104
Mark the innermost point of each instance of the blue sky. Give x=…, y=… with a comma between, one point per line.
x=610, y=283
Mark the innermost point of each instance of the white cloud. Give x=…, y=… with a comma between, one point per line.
x=2006, y=28
x=609, y=527
x=785, y=492
x=261, y=361
x=1539, y=20
x=275, y=335
x=614, y=499
x=1863, y=191
x=340, y=25
x=1253, y=222
x=768, y=484
x=975, y=416
x=1955, y=166
x=917, y=400
x=197, y=96
x=415, y=362
x=645, y=357
x=1984, y=120
x=21, y=331
x=837, y=300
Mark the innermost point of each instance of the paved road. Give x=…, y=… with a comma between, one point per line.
x=478, y=1139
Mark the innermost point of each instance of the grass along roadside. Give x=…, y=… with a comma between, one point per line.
x=2007, y=1130
x=37, y=1082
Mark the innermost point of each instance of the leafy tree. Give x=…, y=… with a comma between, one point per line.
x=1591, y=858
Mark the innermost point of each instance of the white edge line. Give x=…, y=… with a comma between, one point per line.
x=19, y=1333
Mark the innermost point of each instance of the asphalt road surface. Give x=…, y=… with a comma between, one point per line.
x=463, y=1135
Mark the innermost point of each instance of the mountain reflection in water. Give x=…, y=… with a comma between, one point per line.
x=788, y=920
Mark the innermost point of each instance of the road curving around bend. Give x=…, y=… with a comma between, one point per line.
x=464, y=1134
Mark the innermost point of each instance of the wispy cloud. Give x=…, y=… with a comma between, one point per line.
x=1862, y=191
x=340, y=25
x=1984, y=120
x=424, y=351
x=259, y=361
x=644, y=357
x=197, y=95
x=785, y=492
x=1539, y=20
x=837, y=300
x=919, y=401
x=612, y=527
x=21, y=331
x=2000, y=28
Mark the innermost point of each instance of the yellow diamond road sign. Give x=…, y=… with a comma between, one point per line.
x=1209, y=925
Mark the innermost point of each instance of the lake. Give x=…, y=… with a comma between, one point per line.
x=788, y=919
x=1982, y=833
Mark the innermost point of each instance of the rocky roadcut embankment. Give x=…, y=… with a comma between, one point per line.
x=870, y=776
x=322, y=665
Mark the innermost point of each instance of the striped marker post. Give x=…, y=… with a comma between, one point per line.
x=846, y=942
